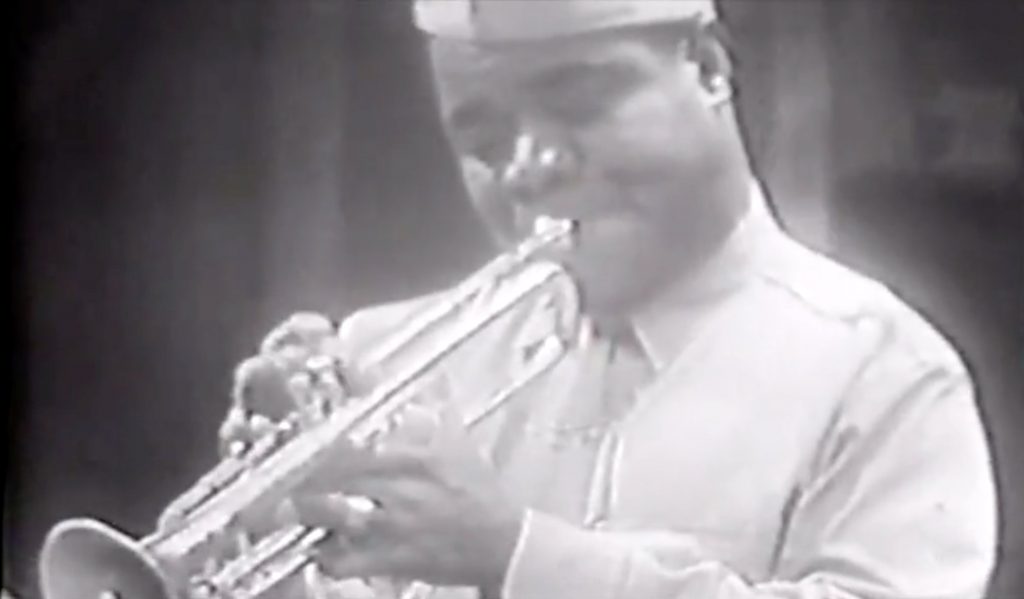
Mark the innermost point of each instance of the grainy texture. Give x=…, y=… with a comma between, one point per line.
x=191, y=173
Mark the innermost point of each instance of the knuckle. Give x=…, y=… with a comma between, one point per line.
x=298, y=329
x=289, y=358
x=250, y=375
x=233, y=424
x=234, y=432
x=310, y=322
x=246, y=374
x=248, y=368
x=264, y=392
x=331, y=560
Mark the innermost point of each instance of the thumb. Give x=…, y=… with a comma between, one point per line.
x=415, y=425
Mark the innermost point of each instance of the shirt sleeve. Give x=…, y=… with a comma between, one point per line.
x=900, y=504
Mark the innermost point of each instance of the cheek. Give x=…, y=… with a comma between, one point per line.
x=477, y=177
x=486, y=199
x=651, y=139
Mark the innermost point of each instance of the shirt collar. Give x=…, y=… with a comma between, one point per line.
x=664, y=326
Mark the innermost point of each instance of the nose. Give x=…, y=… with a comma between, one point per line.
x=537, y=167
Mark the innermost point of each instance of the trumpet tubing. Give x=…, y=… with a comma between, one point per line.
x=200, y=548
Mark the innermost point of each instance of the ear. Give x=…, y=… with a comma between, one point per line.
x=706, y=59
x=717, y=92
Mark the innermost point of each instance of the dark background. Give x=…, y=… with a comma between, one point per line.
x=189, y=173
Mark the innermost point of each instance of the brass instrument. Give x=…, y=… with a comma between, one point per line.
x=192, y=554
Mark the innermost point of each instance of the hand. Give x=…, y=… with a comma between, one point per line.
x=442, y=517
x=260, y=393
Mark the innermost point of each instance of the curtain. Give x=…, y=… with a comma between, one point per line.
x=192, y=172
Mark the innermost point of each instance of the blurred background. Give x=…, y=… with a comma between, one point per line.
x=189, y=173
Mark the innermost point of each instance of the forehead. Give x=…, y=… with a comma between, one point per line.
x=463, y=69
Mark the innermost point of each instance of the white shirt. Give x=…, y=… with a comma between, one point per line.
x=802, y=434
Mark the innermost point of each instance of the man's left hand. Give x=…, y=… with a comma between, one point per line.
x=441, y=516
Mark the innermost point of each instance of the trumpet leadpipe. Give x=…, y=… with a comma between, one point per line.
x=194, y=554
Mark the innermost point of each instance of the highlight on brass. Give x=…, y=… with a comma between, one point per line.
x=202, y=547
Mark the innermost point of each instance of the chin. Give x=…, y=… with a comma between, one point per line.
x=606, y=290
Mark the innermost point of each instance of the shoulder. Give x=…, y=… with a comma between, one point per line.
x=905, y=373
x=826, y=289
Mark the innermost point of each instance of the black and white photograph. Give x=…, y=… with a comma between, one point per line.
x=516, y=299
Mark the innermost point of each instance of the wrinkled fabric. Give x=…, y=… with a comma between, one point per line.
x=782, y=428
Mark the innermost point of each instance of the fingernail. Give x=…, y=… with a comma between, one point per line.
x=237, y=448
x=259, y=423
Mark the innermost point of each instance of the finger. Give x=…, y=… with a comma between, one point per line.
x=303, y=396
x=291, y=358
x=368, y=470
x=245, y=373
x=262, y=521
x=367, y=558
x=240, y=430
x=388, y=492
x=320, y=511
x=348, y=517
x=387, y=484
x=260, y=386
x=300, y=329
x=414, y=425
x=430, y=430
x=391, y=460
x=346, y=560
x=319, y=586
x=233, y=435
x=345, y=463
x=260, y=425
x=356, y=533
x=385, y=564
x=394, y=485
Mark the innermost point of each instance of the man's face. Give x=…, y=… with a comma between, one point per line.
x=649, y=152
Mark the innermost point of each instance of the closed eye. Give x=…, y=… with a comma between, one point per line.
x=578, y=94
x=482, y=130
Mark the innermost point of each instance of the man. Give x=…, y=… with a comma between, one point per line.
x=741, y=417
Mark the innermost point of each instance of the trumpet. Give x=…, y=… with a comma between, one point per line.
x=192, y=553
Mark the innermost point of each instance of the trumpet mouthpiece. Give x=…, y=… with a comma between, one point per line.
x=557, y=232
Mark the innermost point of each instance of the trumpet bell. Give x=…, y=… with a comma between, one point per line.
x=86, y=559
x=189, y=556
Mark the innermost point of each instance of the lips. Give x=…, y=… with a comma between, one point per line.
x=587, y=238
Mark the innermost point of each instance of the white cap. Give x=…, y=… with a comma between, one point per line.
x=524, y=20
